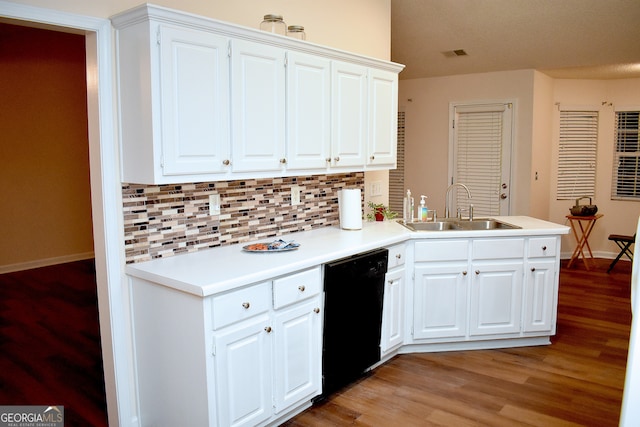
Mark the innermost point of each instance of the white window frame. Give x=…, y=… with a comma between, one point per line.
x=578, y=128
x=634, y=185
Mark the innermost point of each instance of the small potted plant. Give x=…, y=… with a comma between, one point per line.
x=379, y=212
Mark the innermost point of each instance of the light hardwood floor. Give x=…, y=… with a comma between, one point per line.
x=575, y=381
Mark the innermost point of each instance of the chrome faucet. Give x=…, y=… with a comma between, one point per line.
x=446, y=197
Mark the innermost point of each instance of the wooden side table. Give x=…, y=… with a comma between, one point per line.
x=581, y=232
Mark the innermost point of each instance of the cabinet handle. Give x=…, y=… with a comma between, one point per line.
x=477, y=271
x=226, y=162
x=246, y=305
x=464, y=273
x=316, y=310
x=337, y=159
x=328, y=159
x=283, y=161
x=398, y=256
x=533, y=269
x=391, y=282
x=301, y=288
x=544, y=248
x=267, y=329
x=372, y=157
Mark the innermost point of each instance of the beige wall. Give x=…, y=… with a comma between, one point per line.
x=620, y=217
x=426, y=102
x=360, y=26
x=44, y=151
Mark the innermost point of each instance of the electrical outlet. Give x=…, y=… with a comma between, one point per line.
x=295, y=195
x=376, y=188
x=214, y=204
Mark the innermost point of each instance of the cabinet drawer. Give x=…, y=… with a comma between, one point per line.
x=441, y=250
x=296, y=287
x=241, y=304
x=396, y=256
x=542, y=246
x=497, y=248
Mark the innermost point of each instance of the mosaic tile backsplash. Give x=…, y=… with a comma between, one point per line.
x=163, y=220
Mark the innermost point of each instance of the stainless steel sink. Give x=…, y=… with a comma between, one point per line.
x=460, y=224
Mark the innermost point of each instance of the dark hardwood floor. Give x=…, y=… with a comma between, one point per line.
x=50, y=354
x=50, y=351
x=576, y=381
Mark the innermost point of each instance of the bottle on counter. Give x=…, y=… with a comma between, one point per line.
x=274, y=24
x=408, y=208
x=422, y=212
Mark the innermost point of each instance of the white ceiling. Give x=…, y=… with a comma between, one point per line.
x=593, y=39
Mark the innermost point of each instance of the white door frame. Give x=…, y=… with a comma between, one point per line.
x=507, y=150
x=106, y=203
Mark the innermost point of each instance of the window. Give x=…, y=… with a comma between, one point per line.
x=577, y=154
x=626, y=162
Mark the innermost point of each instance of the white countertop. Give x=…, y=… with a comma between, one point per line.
x=220, y=269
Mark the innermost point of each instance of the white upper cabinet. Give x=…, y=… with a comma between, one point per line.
x=257, y=107
x=194, y=97
x=349, y=115
x=383, y=118
x=308, y=111
x=205, y=100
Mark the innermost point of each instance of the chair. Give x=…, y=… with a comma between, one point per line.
x=624, y=243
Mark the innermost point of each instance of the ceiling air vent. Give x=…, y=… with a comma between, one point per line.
x=453, y=53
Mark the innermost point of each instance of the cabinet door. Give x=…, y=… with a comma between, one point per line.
x=393, y=310
x=539, y=296
x=194, y=94
x=349, y=115
x=257, y=107
x=496, y=298
x=440, y=301
x=243, y=373
x=298, y=354
x=383, y=118
x=308, y=111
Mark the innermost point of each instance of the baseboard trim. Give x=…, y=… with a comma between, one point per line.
x=45, y=262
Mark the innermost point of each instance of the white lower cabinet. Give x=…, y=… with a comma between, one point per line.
x=495, y=298
x=298, y=354
x=440, y=301
x=272, y=362
x=243, y=365
x=540, y=292
x=393, y=313
x=482, y=289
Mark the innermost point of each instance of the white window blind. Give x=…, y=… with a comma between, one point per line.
x=479, y=136
x=577, y=154
x=626, y=162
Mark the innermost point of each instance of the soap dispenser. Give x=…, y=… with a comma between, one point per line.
x=422, y=213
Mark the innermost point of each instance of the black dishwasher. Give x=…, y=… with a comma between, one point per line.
x=354, y=290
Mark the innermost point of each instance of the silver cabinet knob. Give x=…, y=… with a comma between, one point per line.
x=283, y=161
x=226, y=162
x=301, y=288
x=533, y=269
x=316, y=310
x=464, y=273
x=544, y=248
x=372, y=157
x=267, y=329
x=337, y=159
x=246, y=305
x=477, y=271
x=398, y=256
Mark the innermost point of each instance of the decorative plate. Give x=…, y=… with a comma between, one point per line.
x=276, y=246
